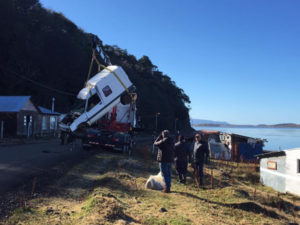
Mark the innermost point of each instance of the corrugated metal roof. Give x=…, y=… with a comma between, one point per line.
x=271, y=154
x=47, y=111
x=12, y=103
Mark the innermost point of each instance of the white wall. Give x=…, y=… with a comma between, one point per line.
x=293, y=177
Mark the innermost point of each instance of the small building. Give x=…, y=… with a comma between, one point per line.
x=242, y=148
x=281, y=170
x=48, y=121
x=218, y=150
x=19, y=116
x=232, y=147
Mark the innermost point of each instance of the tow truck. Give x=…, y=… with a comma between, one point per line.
x=107, y=103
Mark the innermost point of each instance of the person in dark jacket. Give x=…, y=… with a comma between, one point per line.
x=165, y=153
x=181, y=155
x=200, y=151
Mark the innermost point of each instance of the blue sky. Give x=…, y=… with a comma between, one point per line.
x=238, y=60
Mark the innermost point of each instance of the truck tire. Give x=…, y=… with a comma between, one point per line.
x=129, y=150
x=65, y=139
x=124, y=149
x=125, y=99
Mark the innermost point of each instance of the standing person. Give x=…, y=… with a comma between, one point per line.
x=181, y=155
x=165, y=146
x=200, y=150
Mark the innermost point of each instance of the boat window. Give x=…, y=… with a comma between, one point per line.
x=107, y=91
x=92, y=101
x=298, y=165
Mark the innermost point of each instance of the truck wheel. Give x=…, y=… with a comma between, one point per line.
x=125, y=99
x=124, y=149
x=129, y=151
x=66, y=139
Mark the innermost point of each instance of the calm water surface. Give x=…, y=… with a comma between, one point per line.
x=278, y=138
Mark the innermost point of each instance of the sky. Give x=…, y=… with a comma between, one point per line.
x=237, y=60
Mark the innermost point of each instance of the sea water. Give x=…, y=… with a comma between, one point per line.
x=278, y=138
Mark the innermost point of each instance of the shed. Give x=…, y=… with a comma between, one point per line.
x=281, y=170
x=242, y=148
x=218, y=150
x=18, y=115
x=48, y=121
x=234, y=147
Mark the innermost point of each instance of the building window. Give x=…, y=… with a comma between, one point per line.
x=52, y=122
x=272, y=165
x=298, y=165
x=107, y=91
x=44, y=123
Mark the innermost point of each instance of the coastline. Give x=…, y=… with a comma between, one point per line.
x=279, y=138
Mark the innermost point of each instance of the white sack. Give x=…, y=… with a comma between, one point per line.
x=155, y=182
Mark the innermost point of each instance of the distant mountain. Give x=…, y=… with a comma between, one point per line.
x=211, y=123
x=200, y=121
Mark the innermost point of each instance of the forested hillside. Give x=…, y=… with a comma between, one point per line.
x=45, y=55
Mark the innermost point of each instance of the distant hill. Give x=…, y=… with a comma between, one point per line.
x=201, y=121
x=211, y=123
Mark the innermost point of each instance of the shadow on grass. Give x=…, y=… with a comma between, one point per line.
x=245, y=206
x=208, y=182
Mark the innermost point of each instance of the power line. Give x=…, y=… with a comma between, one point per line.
x=39, y=84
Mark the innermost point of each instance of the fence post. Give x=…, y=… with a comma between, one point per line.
x=2, y=129
x=211, y=179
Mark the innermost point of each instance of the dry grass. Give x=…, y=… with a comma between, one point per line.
x=109, y=189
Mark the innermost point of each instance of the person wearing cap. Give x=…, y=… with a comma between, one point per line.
x=165, y=153
x=181, y=155
x=200, y=151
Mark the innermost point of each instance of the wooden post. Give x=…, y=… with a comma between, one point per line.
x=294, y=213
x=232, y=181
x=2, y=129
x=278, y=199
x=33, y=187
x=212, y=179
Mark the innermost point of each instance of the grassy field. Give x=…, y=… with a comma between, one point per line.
x=108, y=188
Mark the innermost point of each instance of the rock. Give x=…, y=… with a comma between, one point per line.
x=163, y=210
x=67, y=214
x=110, y=195
x=49, y=210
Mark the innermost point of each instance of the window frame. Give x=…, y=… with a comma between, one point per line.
x=87, y=109
x=107, y=92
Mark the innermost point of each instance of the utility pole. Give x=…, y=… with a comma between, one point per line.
x=53, y=100
x=156, y=115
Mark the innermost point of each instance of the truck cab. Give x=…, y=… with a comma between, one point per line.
x=103, y=91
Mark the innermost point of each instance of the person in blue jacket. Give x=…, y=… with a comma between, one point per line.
x=165, y=156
